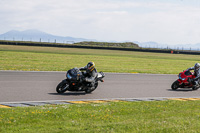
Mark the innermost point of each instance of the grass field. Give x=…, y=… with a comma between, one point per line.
x=61, y=59
x=142, y=117
x=121, y=117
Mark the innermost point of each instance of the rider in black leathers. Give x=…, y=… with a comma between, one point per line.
x=90, y=74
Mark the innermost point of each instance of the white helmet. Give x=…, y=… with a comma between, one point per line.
x=197, y=66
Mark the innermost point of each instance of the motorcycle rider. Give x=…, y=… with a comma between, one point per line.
x=90, y=74
x=196, y=69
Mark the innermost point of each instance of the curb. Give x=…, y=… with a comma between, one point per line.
x=41, y=103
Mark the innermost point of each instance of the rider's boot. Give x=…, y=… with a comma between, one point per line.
x=80, y=88
x=90, y=87
x=196, y=85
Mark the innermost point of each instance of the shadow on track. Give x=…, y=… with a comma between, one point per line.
x=69, y=94
x=182, y=90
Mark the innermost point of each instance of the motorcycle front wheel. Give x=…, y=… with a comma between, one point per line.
x=175, y=85
x=62, y=87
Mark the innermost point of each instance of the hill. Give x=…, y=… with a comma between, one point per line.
x=38, y=36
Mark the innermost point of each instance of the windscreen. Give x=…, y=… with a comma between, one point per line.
x=74, y=73
x=187, y=73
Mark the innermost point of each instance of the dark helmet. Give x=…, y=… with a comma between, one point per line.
x=197, y=66
x=90, y=66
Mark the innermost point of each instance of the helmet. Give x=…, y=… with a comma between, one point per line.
x=197, y=66
x=90, y=66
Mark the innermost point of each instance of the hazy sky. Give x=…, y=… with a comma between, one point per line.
x=163, y=21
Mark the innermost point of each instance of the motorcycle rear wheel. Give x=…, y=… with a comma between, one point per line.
x=195, y=88
x=175, y=85
x=62, y=87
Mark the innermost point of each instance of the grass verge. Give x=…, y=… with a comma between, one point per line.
x=154, y=116
x=28, y=58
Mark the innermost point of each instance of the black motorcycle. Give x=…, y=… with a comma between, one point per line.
x=74, y=82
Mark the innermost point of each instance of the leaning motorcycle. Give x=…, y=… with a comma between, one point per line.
x=185, y=80
x=74, y=82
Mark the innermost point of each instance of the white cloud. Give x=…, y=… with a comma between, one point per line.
x=136, y=20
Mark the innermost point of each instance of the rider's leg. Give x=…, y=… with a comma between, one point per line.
x=196, y=82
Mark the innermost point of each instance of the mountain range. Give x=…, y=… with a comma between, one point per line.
x=38, y=36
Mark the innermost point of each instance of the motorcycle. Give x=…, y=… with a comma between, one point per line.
x=185, y=80
x=74, y=82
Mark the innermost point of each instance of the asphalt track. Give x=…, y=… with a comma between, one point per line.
x=16, y=86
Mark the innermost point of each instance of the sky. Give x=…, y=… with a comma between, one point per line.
x=163, y=21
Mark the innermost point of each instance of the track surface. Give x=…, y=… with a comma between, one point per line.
x=16, y=86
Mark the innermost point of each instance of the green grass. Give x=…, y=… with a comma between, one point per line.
x=154, y=116
x=28, y=58
x=143, y=117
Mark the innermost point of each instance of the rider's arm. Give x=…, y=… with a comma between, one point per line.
x=83, y=68
x=191, y=68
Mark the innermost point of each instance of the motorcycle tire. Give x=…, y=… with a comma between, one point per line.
x=195, y=88
x=175, y=85
x=62, y=87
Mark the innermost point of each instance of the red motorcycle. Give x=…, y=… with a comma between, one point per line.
x=185, y=80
